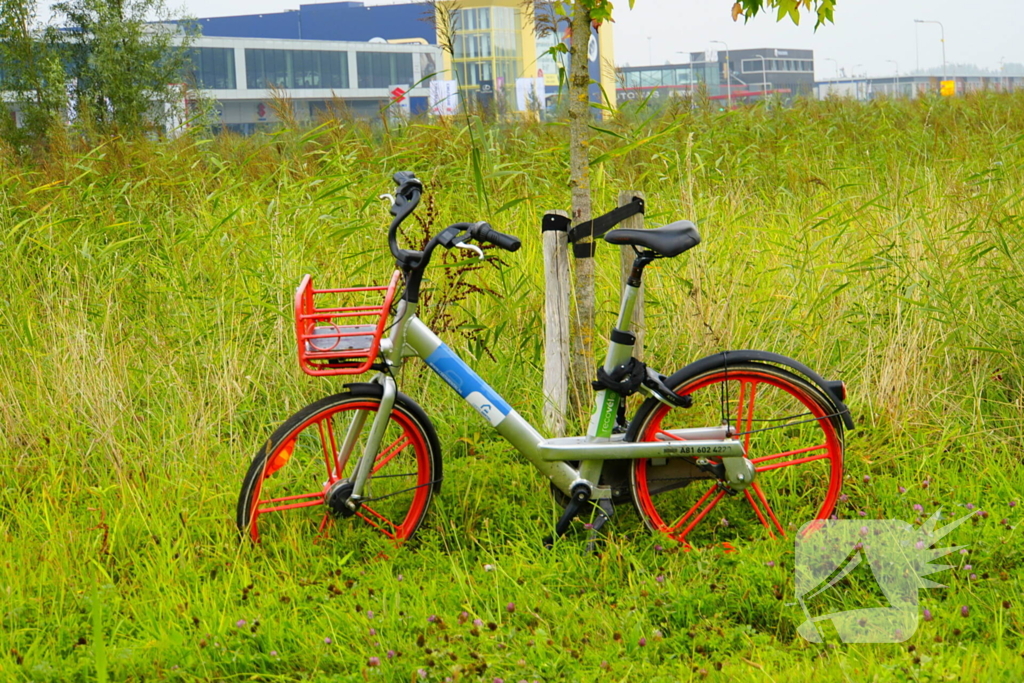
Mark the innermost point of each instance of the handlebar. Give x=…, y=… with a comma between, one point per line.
x=483, y=232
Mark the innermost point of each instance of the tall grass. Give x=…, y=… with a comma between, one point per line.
x=148, y=351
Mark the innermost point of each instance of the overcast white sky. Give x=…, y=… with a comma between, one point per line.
x=865, y=35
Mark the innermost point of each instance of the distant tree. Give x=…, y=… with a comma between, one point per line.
x=581, y=15
x=123, y=71
x=31, y=76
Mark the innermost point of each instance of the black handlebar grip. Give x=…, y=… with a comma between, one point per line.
x=485, y=233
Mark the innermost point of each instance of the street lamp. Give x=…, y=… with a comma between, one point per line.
x=728, y=72
x=943, y=29
x=893, y=61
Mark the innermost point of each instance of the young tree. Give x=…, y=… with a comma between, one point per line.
x=583, y=14
x=31, y=76
x=123, y=69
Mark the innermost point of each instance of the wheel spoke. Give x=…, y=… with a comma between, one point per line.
x=682, y=520
x=768, y=508
x=757, y=510
x=670, y=435
x=750, y=416
x=375, y=525
x=317, y=499
x=786, y=454
x=791, y=463
x=390, y=452
x=702, y=515
x=330, y=446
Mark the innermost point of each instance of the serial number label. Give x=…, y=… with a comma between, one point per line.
x=698, y=450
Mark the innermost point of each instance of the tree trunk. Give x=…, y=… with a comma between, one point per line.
x=582, y=364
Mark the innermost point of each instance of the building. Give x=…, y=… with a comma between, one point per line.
x=725, y=76
x=494, y=45
x=244, y=75
x=912, y=86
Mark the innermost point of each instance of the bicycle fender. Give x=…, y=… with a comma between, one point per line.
x=829, y=389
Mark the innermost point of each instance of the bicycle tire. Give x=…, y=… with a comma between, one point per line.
x=786, y=417
x=284, y=475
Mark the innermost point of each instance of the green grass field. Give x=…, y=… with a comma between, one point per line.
x=148, y=352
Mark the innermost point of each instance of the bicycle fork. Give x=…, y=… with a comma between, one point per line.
x=344, y=496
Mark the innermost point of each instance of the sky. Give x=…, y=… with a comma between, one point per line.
x=867, y=34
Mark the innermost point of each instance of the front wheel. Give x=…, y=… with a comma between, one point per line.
x=315, y=453
x=790, y=433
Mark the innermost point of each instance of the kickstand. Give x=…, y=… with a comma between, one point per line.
x=604, y=512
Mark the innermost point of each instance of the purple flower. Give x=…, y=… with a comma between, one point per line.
x=769, y=563
x=422, y=673
x=843, y=498
x=588, y=526
x=918, y=507
x=1005, y=521
x=373, y=631
x=919, y=545
x=499, y=680
x=926, y=483
x=400, y=578
x=858, y=546
x=478, y=623
x=964, y=611
x=963, y=551
x=901, y=489
x=862, y=513
x=928, y=614
x=391, y=654
x=968, y=567
x=432, y=618
x=240, y=623
x=660, y=578
x=970, y=506
x=1013, y=503
x=510, y=607
x=867, y=478
x=642, y=642
x=374, y=661
x=724, y=522
x=273, y=653
x=658, y=548
x=863, y=531
x=369, y=614
x=973, y=577
x=328, y=641
x=983, y=513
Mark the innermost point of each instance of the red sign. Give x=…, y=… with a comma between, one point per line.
x=397, y=95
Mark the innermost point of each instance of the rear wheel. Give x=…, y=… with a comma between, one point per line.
x=312, y=457
x=789, y=432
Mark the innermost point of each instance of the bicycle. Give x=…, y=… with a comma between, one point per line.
x=726, y=427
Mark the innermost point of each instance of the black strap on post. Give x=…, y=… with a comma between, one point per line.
x=554, y=222
x=598, y=226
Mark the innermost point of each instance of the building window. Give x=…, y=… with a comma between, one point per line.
x=296, y=69
x=384, y=69
x=211, y=68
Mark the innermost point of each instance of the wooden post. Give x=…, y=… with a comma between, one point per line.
x=636, y=223
x=556, y=325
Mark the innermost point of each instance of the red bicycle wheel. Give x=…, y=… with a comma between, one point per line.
x=790, y=433
x=316, y=450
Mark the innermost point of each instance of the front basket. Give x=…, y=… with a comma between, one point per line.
x=342, y=335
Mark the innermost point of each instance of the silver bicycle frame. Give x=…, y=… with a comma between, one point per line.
x=411, y=337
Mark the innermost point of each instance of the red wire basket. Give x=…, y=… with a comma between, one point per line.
x=342, y=337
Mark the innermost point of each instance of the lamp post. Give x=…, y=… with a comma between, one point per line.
x=728, y=72
x=943, y=30
x=833, y=89
x=893, y=61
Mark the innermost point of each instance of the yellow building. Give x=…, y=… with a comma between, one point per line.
x=496, y=41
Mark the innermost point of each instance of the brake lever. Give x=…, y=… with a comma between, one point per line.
x=471, y=247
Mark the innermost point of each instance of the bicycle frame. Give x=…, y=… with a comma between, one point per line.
x=411, y=337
